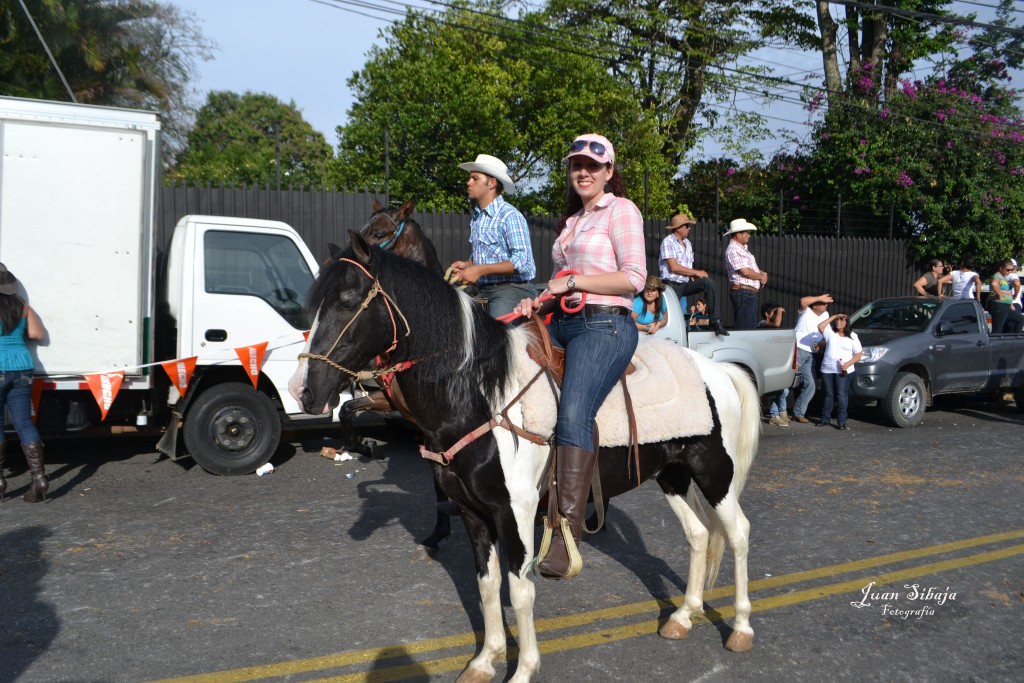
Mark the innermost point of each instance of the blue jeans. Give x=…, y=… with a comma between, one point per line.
x=805, y=371
x=778, y=404
x=744, y=305
x=16, y=395
x=597, y=351
x=837, y=388
x=501, y=299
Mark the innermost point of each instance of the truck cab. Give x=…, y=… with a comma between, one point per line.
x=233, y=283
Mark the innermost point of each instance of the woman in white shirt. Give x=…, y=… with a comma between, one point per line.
x=966, y=284
x=842, y=351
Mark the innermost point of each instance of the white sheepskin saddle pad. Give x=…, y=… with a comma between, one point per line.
x=669, y=397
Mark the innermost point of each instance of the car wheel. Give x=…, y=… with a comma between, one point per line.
x=904, y=405
x=232, y=429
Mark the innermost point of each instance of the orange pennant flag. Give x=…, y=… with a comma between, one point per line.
x=104, y=387
x=252, y=359
x=180, y=371
x=305, y=335
x=37, y=394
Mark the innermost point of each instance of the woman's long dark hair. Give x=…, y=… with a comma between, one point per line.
x=846, y=332
x=616, y=185
x=11, y=310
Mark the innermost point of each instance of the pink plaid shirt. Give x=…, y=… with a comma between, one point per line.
x=606, y=240
x=738, y=256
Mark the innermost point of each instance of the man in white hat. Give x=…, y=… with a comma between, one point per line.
x=501, y=264
x=745, y=278
x=675, y=261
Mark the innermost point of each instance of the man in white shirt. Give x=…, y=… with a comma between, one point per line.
x=813, y=310
x=1014, y=278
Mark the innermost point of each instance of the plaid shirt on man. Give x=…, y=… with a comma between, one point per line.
x=498, y=233
x=738, y=256
x=682, y=252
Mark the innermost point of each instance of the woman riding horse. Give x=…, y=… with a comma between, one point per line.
x=602, y=242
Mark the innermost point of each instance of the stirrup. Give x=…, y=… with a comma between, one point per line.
x=571, y=549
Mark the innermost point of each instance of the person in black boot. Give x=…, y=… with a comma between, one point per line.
x=18, y=322
x=602, y=244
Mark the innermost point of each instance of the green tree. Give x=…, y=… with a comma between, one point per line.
x=446, y=88
x=128, y=53
x=237, y=139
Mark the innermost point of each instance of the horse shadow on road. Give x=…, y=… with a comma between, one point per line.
x=28, y=624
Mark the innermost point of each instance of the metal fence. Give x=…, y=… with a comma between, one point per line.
x=854, y=270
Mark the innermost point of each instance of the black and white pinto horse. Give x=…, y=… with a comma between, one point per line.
x=371, y=303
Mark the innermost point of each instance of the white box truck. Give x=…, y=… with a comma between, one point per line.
x=78, y=186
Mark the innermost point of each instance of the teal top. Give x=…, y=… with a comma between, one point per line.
x=14, y=354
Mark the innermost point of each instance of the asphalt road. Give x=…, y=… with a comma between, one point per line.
x=140, y=569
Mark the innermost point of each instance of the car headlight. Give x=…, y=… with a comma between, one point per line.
x=873, y=353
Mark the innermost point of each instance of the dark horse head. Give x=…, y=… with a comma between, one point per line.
x=393, y=230
x=372, y=304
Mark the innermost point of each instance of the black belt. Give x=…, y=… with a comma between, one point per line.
x=505, y=282
x=597, y=309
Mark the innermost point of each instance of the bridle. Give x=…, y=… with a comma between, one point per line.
x=392, y=309
x=399, y=227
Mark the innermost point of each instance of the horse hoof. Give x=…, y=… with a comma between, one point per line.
x=423, y=554
x=473, y=676
x=739, y=642
x=673, y=630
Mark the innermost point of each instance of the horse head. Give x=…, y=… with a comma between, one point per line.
x=355, y=322
x=386, y=226
x=394, y=230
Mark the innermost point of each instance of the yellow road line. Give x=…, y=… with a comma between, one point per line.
x=243, y=675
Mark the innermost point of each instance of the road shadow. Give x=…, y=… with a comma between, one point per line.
x=28, y=625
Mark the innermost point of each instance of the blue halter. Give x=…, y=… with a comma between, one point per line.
x=386, y=244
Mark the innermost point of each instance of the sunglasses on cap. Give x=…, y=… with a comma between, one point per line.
x=596, y=147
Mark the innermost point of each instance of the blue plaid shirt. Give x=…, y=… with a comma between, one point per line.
x=498, y=233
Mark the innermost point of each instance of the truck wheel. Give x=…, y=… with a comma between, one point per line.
x=904, y=405
x=232, y=429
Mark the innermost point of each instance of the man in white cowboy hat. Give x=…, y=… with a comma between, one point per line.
x=501, y=264
x=675, y=261
x=745, y=278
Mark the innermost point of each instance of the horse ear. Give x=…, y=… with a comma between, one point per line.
x=334, y=250
x=405, y=210
x=376, y=205
x=360, y=247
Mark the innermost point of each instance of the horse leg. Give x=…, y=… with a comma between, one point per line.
x=443, y=524
x=737, y=533
x=481, y=668
x=678, y=625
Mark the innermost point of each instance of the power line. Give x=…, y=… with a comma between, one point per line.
x=896, y=11
x=981, y=4
x=49, y=54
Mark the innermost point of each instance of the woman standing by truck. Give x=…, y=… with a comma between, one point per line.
x=19, y=322
x=1000, y=301
x=842, y=351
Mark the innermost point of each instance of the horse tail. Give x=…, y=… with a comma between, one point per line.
x=747, y=438
x=750, y=425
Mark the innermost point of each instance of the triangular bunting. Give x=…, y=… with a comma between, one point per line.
x=305, y=335
x=37, y=394
x=180, y=371
x=252, y=360
x=104, y=388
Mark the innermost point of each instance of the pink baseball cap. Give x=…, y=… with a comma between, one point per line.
x=592, y=145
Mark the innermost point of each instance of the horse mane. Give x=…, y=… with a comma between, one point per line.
x=461, y=352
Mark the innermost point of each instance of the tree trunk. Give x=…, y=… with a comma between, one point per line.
x=829, y=52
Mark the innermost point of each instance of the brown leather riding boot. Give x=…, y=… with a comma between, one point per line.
x=40, y=484
x=3, y=463
x=574, y=469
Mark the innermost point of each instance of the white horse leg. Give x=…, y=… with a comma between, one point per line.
x=737, y=534
x=481, y=668
x=678, y=625
x=523, y=593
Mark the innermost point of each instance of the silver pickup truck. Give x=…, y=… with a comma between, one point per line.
x=767, y=354
x=917, y=348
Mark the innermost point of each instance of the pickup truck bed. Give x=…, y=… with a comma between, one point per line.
x=767, y=354
x=917, y=348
